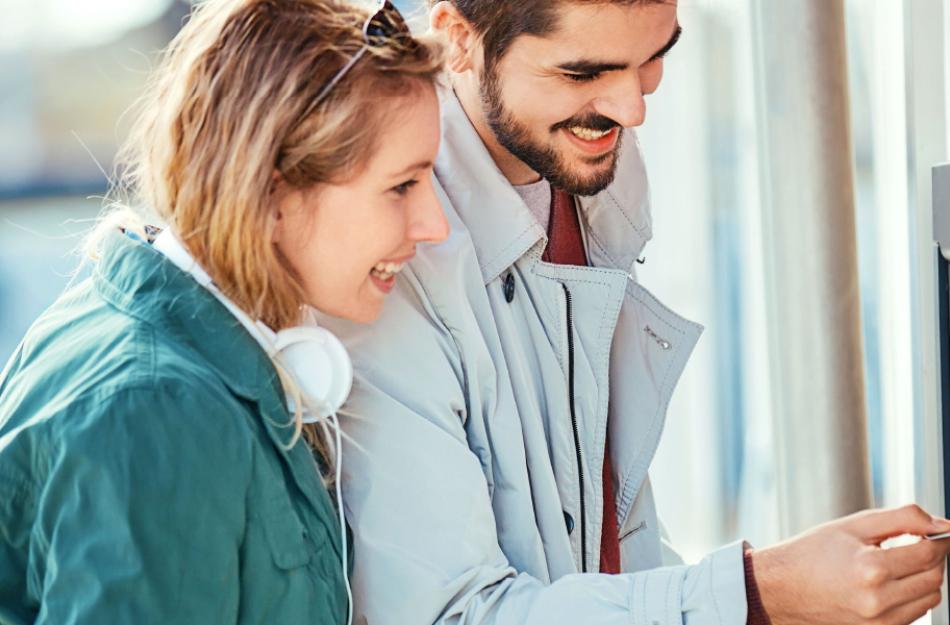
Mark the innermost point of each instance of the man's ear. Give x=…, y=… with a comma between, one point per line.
x=458, y=32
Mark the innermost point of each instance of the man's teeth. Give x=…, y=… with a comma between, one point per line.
x=589, y=134
x=385, y=271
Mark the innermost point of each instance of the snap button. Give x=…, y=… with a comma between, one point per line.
x=569, y=523
x=663, y=343
x=510, y=288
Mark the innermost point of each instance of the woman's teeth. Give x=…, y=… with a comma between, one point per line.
x=385, y=271
x=589, y=134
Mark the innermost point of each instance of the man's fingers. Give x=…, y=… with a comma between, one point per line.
x=910, y=589
x=876, y=526
x=910, y=612
x=912, y=559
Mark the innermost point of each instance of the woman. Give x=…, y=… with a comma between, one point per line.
x=150, y=467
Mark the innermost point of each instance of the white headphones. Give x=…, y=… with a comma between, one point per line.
x=317, y=361
x=313, y=356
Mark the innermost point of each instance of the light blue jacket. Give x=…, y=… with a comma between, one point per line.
x=470, y=500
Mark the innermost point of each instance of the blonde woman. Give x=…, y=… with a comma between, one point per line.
x=151, y=462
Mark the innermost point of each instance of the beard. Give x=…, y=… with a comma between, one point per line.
x=543, y=159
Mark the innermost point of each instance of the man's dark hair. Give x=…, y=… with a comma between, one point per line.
x=500, y=22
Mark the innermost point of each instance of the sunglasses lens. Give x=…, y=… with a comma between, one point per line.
x=387, y=26
x=384, y=28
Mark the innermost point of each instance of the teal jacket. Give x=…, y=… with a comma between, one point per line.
x=144, y=470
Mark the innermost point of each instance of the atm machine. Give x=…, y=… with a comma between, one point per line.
x=941, y=228
x=941, y=225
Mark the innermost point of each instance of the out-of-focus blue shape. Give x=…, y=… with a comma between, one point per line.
x=38, y=243
x=409, y=6
x=65, y=24
x=62, y=108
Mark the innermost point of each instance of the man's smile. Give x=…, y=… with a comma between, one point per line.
x=592, y=141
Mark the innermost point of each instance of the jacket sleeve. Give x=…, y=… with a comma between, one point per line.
x=142, y=513
x=419, y=506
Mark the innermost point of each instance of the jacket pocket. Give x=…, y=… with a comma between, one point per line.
x=639, y=546
x=285, y=533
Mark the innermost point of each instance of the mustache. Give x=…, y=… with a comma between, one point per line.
x=589, y=120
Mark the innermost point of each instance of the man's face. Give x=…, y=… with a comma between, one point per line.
x=558, y=102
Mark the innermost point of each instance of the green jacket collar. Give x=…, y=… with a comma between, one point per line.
x=142, y=283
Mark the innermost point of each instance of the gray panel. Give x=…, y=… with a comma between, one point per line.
x=941, y=199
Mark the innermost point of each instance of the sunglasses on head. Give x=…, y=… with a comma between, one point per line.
x=384, y=26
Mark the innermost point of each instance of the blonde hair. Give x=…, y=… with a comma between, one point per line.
x=234, y=101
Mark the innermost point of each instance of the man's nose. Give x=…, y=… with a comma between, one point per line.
x=623, y=102
x=427, y=220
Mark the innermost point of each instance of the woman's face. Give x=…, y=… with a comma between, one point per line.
x=348, y=242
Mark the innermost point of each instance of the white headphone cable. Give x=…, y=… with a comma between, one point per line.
x=339, y=500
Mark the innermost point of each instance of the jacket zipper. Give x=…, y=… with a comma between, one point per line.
x=577, y=437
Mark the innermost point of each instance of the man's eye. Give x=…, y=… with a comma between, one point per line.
x=404, y=188
x=583, y=77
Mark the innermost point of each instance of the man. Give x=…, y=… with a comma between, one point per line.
x=509, y=402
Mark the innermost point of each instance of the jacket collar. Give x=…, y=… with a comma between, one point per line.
x=143, y=283
x=502, y=227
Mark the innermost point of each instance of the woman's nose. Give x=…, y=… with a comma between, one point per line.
x=428, y=219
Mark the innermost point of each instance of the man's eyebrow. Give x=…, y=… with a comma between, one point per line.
x=587, y=66
x=669, y=45
x=590, y=66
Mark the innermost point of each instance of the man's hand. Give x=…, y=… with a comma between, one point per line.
x=838, y=573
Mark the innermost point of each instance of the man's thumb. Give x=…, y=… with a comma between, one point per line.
x=876, y=526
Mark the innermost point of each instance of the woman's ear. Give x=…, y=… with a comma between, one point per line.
x=458, y=32
x=276, y=204
x=276, y=180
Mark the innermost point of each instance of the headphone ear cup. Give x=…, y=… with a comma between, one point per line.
x=319, y=365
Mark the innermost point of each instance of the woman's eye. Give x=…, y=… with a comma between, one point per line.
x=583, y=77
x=403, y=189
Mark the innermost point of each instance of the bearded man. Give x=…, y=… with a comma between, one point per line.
x=509, y=402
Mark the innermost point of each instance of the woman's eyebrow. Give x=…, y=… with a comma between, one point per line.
x=412, y=168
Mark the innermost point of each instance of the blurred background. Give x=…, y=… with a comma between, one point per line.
x=68, y=72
